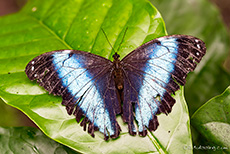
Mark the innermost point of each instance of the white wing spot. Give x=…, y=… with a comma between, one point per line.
x=197, y=54
x=32, y=68
x=196, y=41
x=66, y=51
x=198, y=46
x=32, y=62
x=35, y=75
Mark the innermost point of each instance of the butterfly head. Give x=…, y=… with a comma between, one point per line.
x=116, y=56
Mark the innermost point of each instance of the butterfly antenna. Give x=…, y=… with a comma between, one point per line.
x=122, y=39
x=108, y=40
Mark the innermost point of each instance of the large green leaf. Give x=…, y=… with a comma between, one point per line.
x=202, y=19
x=29, y=140
x=212, y=121
x=51, y=25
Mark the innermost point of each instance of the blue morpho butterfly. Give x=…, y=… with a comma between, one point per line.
x=138, y=87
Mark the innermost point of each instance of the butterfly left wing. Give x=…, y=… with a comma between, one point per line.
x=85, y=82
x=152, y=73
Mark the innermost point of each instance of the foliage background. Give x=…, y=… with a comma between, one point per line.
x=15, y=118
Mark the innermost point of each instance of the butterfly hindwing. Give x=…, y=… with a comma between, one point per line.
x=152, y=73
x=85, y=82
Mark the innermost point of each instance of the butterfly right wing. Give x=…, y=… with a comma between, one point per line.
x=152, y=73
x=86, y=84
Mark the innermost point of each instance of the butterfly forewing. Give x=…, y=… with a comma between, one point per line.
x=152, y=73
x=85, y=82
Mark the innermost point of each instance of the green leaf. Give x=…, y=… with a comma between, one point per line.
x=212, y=121
x=202, y=19
x=44, y=26
x=29, y=140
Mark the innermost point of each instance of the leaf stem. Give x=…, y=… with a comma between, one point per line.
x=156, y=143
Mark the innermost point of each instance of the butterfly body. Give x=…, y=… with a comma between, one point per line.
x=138, y=87
x=117, y=72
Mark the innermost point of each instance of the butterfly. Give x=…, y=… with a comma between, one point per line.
x=139, y=87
